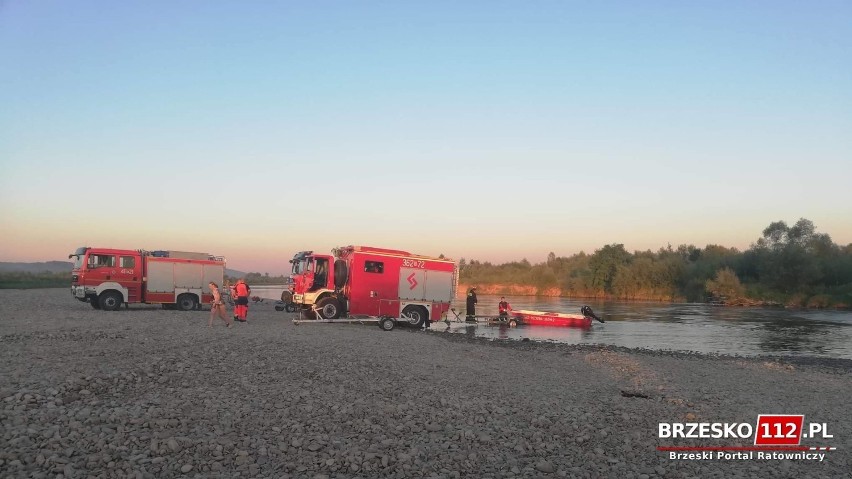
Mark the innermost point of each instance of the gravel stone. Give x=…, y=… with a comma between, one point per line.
x=147, y=393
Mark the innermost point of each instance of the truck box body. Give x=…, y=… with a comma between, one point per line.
x=169, y=277
x=395, y=279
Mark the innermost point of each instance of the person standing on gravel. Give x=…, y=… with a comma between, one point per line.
x=471, y=305
x=241, y=304
x=218, y=306
x=232, y=292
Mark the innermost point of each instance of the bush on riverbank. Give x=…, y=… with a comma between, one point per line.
x=788, y=265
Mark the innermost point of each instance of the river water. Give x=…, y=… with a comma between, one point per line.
x=665, y=326
x=681, y=327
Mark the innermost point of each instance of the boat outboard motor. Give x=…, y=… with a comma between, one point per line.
x=587, y=311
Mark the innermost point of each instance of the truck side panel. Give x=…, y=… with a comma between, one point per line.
x=188, y=276
x=160, y=276
x=439, y=286
x=425, y=285
x=214, y=273
x=412, y=284
x=361, y=283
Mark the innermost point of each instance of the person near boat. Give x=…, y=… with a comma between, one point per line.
x=504, y=307
x=471, y=305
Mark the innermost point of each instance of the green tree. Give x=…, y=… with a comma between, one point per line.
x=604, y=265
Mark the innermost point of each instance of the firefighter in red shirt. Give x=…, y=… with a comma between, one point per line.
x=504, y=307
x=241, y=303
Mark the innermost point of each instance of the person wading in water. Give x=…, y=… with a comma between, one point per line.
x=504, y=307
x=471, y=305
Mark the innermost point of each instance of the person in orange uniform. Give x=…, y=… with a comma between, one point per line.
x=241, y=303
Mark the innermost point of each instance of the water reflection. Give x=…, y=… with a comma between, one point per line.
x=682, y=327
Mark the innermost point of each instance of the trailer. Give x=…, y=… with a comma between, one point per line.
x=386, y=322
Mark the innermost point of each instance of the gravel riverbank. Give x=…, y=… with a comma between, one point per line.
x=146, y=392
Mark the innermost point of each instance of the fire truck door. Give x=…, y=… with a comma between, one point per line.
x=412, y=283
x=101, y=268
x=127, y=274
x=309, y=276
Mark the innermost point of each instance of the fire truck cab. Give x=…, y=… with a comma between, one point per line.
x=372, y=282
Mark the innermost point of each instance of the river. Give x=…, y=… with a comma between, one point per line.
x=664, y=326
x=681, y=327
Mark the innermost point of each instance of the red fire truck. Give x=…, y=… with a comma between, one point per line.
x=363, y=281
x=108, y=278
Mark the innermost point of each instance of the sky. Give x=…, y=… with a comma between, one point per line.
x=494, y=130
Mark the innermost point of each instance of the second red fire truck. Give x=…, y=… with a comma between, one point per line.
x=364, y=281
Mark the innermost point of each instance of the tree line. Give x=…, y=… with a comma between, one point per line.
x=788, y=265
x=258, y=278
x=26, y=280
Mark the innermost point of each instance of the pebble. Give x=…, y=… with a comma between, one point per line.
x=173, y=445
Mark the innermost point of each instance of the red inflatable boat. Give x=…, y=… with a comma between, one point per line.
x=541, y=318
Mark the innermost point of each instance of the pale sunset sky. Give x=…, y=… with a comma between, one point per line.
x=494, y=130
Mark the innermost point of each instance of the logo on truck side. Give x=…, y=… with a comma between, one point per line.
x=412, y=281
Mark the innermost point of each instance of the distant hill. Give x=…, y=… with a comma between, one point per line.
x=67, y=266
x=45, y=267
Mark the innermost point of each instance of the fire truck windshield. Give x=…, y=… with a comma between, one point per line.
x=301, y=266
x=78, y=260
x=78, y=256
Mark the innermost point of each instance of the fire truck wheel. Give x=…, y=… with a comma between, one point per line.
x=387, y=324
x=110, y=300
x=290, y=308
x=94, y=302
x=286, y=297
x=415, y=315
x=329, y=308
x=186, y=302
